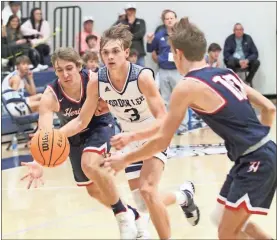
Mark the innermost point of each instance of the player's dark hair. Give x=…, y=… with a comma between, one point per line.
x=118, y=32
x=189, y=39
x=66, y=54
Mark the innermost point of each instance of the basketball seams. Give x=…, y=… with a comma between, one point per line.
x=53, y=137
x=65, y=144
x=46, y=156
x=40, y=150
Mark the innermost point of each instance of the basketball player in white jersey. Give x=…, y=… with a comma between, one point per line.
x=134, y=100
x=20, y=80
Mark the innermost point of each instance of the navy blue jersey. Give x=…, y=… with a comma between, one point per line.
x=235, y=120
x=70, y=108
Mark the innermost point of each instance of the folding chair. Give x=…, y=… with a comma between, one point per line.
x=24, y=122
x=245, y=71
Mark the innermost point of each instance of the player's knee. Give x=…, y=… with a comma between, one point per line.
x=90, y=164
x=224, y=232
x=148, y=191
x=216, y=214
x=93, y=191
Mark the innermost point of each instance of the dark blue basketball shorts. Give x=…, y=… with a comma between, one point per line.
x=97, y=141
x=251, y=182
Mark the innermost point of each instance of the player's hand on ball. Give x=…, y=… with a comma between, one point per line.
x=34, y=175
x=120, y=140
x=115, y=162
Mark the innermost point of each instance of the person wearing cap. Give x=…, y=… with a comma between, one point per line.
x=138, y=29
x=13, y=8
x=88, y=30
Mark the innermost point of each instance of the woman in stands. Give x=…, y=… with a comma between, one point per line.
x=14, y=43
x=38, y=30
x=21, y=80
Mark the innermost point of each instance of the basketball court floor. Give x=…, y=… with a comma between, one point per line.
x=61, y=210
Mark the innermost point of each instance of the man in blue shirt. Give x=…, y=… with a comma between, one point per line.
x=240, y=52
x=168, y=74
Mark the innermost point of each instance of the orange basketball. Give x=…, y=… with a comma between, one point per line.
x=49, y=148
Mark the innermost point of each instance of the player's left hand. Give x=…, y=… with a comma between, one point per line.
x=120, y=140
x=116, y=163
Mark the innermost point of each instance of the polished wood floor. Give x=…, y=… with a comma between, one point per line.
x=60, y=210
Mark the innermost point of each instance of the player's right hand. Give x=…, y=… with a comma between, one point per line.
x=35, y=173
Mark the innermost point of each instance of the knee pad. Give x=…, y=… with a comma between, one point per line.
x=139, y=201
x=217, y=214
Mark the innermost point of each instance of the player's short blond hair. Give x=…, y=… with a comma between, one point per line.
x=189, y=39
x=66, y=54
x=118, y=32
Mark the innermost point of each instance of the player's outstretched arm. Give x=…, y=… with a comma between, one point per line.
x=48, y=105
x=88, y=109
x=267, y=108
x=182, y=96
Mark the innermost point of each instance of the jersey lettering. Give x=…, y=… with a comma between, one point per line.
x=234, y=85
x=134, y=115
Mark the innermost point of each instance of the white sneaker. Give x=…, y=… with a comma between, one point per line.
x=190, y=210
x=127, y=225
x=42, y=67
x=36, y=69
x=141, y=224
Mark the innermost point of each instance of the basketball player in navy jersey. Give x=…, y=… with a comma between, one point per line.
x=221, y=98
x=133, y=98
x=65, y=97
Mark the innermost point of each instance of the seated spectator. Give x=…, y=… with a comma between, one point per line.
x=133, y=56
x=137, y=28
x=38, y=31
x=213, y=54
x=13, y=43
x=12, y=9
x=88, y=30
x=240, y=52
x=21, y=80
x=92, y=41
x=91, y=61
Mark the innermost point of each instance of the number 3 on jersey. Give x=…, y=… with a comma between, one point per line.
x=234, y=85
x=134, y=114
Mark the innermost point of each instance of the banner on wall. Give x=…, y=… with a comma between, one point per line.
x=194, y=150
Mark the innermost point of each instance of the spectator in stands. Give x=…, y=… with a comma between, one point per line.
x=240, y=52
x=21, y=80
x=12, y=9
x=213, y=54
x=138, y=29
x=13, y=43
x=168, y=74
x=121, y=17
x=133, y=56
x=91, y=60
x=38, y=31
x=92, y=41
x=88, y=30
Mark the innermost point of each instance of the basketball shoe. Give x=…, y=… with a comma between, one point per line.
x=189, y=208
x=127, y=225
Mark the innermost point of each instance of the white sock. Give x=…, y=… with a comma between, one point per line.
x=181, y=198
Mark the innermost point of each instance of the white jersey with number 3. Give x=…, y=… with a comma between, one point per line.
x=129, y=105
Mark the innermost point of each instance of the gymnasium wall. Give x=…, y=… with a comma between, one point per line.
x=216, y=19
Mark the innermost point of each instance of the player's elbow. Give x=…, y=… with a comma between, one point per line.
x=272, y=109
x=81, y=124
